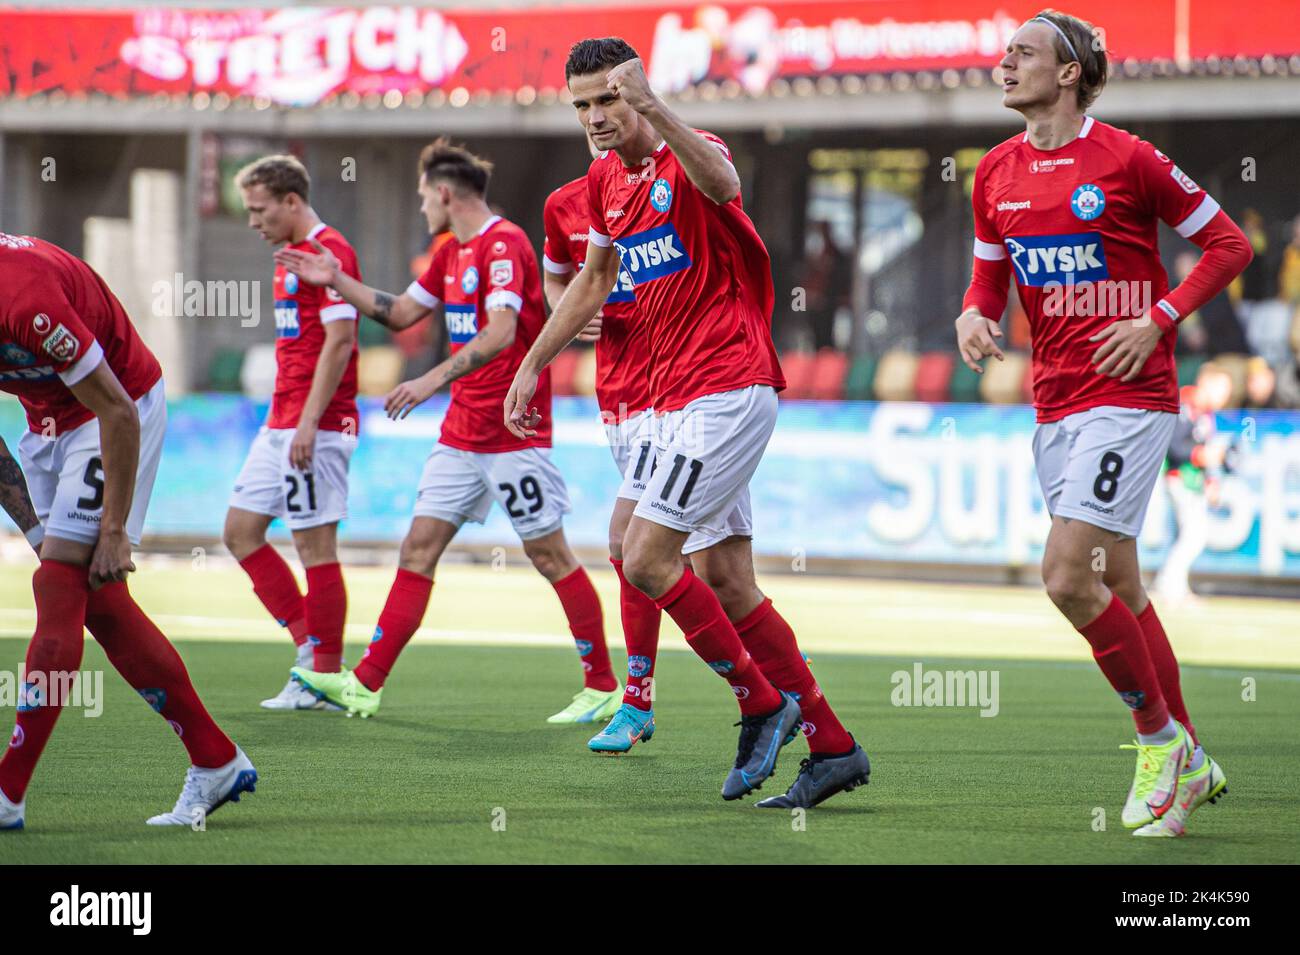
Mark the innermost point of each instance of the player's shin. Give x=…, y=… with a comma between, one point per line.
x=274, y=585
x=327, y=609
x=586, y=623
x=53, y=656
x=1166, y=667
x=695, y=608
x=1119, y=647
x=771, y=642
x=139, y=651
x=641, y=619
x=408, y=599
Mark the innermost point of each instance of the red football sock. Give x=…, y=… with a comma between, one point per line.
x=139, y=651
x=641, y=634
x=587, y=624
x=695, y=608
x=1120, y=650
x=771, y=643
x=327, y=608
x=407, y=601
x=55, y=651
x=276, y=587
x=1166, y=666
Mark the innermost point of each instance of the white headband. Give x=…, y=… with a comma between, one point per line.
x=1062, y=35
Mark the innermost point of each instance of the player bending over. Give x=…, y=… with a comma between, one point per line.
x=668, y=199
x=96, y=414
x=486, y=280
x=1071, y=206
x=297, y=468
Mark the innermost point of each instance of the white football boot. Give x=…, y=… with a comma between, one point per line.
x=207, y=790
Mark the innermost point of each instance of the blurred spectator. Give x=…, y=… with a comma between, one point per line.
x=827, y=278
x=1257, y=280
x=1288, y=275
x=1261, y=383
x=1214, y=328
x=1191, y=481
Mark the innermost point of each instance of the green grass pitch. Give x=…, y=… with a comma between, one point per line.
x=460, y=766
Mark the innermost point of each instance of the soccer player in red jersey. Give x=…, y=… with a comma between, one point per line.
x=1070, y=208
x=96, y=414
x=297, y=468
x=664, y=204
x=486, y=280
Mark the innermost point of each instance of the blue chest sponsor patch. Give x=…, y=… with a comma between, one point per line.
x=462, y=323
x=1060, y=259
x=652, y=254
x=622, y=291
x=286, y=318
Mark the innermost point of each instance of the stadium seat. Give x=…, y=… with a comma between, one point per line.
x=1188, y=367
x=964, y=385
x=933, y=373
x=563, y=370
x=1003, y=382
x=379, y=369
x=798, y=368
x=257, y=374
x=862, y=376
x=223, y=373
x=829, y=373
x=896, y=376
x=584, y=376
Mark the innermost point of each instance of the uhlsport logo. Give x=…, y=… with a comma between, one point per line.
x=469, y=281
x=652, y=254
x=661, y=195
x=1041, y=260
x=1088, y=202
x=638, y=666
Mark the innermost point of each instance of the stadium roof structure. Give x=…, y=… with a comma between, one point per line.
x=304, y=70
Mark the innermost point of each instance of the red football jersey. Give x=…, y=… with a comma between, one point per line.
x=58, y=321
x=622, y=351
x=495, y=269
x=301, y=312
x=702, y=275
x=1078, y=225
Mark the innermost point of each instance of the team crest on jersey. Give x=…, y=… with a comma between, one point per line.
x=652, y=254
x=469, y=281
x=286, y=318
x=1087, y=202
x=291, y=283
x=41, y=323
x=61, y=344
x=501, y=272
x=1040, y=260
x=11, y=354
x=661, y=195
x=498, y=247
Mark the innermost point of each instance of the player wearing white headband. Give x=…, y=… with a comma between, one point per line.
x=1070, y=209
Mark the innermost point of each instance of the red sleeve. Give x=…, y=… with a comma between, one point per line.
x=427, y=289
x=507, y=270
x=1226, y=253
x=991, y=271
x=555, y=245
x=597, y=227
x=332, y=306
x=45, y=324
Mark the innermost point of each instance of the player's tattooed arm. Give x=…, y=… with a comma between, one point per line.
x=383, y=310
x=13, y=492
x=473, y=355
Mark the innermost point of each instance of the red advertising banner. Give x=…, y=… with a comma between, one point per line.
x=300, y=55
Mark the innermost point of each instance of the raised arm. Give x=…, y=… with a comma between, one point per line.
x=704, y=162
x=394, y=312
